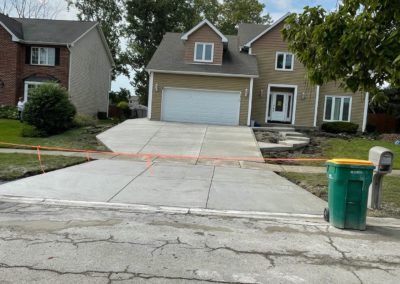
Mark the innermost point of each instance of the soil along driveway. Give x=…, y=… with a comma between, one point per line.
x=181, y=139
x=170, y=184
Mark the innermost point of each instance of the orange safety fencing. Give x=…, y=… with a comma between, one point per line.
x=148, y=156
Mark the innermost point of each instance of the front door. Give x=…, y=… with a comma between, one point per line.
x=281, y=107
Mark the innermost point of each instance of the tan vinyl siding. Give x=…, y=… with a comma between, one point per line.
x=357, y=103
x=162, y=80
x=90, y=74
x=265, y=49
x=204, y=34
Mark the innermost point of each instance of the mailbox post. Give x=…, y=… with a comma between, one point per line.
x=382, y=159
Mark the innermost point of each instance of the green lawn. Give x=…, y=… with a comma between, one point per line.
x=14, y=166
x=77, y=138
x=318, y=185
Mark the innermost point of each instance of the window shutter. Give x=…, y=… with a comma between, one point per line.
x=28, y=55
x=57, y=59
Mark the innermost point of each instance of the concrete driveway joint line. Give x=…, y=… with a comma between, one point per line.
x=202, y=143
x=155, y=133
x=146, y=169
x=209, y=189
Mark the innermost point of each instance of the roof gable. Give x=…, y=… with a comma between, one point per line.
x=248, y=44
x=12, y=26
x=199, y=25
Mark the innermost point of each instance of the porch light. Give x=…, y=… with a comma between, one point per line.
x=156, y=87
x=246, y=92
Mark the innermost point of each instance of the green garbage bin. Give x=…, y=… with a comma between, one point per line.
x=348, y=187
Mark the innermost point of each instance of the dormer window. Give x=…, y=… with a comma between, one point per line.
x=203, y=52
x=284, y=61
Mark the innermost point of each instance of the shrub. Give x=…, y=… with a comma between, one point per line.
x=49, y=110
x=32, y=131
x=339, y=127
x=84, y=120
x=124, y=106
x=8, y=112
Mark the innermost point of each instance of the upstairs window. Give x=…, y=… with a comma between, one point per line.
x=43, y=56
x=337, y=108
x=203, y=52
x=284, y=61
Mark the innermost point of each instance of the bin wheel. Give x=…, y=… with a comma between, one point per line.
x=326, y=214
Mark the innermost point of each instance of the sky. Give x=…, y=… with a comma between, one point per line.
x=276, y=8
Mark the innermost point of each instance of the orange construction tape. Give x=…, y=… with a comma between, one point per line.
x=40, y=158
x=162, y=156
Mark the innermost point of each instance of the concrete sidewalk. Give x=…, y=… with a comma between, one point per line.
x=239, y=164
x=166, y=184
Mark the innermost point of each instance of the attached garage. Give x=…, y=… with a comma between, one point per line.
x=200, y=106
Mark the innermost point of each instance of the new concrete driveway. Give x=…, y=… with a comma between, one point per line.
x=182, y=139
x=165, y=184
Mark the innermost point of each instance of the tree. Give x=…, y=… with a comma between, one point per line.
x=234, y=12
x=357, y=45
x=122, y=95
x=44, y=9
x=109, y=13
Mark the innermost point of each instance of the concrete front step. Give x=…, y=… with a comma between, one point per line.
x=273, y=147
x=291, y=133
x=298, y=138
x=295, y=144
x=275, y=129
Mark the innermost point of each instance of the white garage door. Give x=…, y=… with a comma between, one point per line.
x=199, y=106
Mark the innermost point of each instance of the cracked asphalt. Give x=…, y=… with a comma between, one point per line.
x=60, y=244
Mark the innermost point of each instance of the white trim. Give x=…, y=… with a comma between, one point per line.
x=341, y=108
x=250, y=102
x=202, y=73
x=150, y=95
x=13, y=36
x=85, y=33
x=109, y=89
x=26, y=83
x=285, y=54
x=365, y=116
x=268, y=29
x=199, y=25
x=316, y=106
x=294, y=103
x=206, y=90
x=69, y=71
x=204, y=52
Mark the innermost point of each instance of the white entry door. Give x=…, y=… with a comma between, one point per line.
x=200, y=106
x=281, y=107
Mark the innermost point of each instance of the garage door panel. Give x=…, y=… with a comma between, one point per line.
x=198, y=106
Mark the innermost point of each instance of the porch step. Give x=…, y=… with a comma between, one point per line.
x=288, y=134
x=298, y=138
x=295, y=144
x=273, y=147
x=275, y=129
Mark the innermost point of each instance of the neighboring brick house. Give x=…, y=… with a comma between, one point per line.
x=71, y=53
x=204, y=76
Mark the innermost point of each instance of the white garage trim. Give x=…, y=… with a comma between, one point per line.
x=250, y=102
x=200, y=106
x=150, y=95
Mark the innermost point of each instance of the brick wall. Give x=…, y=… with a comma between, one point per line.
x=9, y=54
x=13, y=70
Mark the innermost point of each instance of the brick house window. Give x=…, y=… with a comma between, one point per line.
x=203, y=52
x=337, y=108
x=43, y=56
x=284, y=61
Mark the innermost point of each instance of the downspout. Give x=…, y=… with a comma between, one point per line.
x=150, y=97
x=109, y=90
x=365, y=117
x=250, y=102
x=316, y=106
x=69, y=70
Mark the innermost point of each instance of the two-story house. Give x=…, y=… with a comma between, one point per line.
x=74, y=54
x=204, y=76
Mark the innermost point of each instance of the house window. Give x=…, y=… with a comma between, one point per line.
x=43, y=56
x=203, y=52
x=284, y=61
x=337, y=108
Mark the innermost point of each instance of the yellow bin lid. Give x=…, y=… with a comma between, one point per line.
x=354, y=162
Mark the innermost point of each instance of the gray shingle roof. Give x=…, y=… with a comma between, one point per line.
x=46, y=31
x=14, y=26
x=249, y=31
x=170, y=57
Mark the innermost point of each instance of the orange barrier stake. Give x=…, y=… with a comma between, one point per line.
x=149, y=166
x=87, y=156
x=40, y=159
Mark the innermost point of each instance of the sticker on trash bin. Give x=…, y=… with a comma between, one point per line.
x=356, y=172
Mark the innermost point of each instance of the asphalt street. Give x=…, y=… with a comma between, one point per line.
x=59, y=244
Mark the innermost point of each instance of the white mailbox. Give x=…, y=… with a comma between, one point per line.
x=382, y=159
